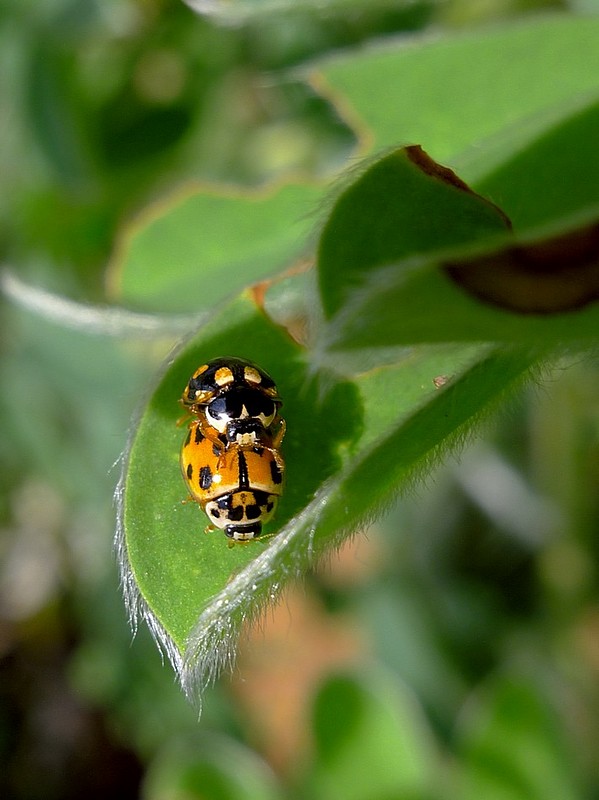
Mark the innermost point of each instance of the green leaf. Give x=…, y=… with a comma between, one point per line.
x=450, y=94
x=56, y=115
x=202, y=246
x=398, y=210
x=371, y=740
x=350, y=445
x=423, y=306
x=552, y=182
x=391, y=232
x=173, y=566
x=512, y=746
x=212, y=767
x=352, y=442
x=239, y=11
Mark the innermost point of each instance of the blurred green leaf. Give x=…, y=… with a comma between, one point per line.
x=451, y=93
x=371, y=742
x=210, y=767
x=88, y=400
x=197, y=248
x=56, y=115
x=513, y=747
x=237, y=11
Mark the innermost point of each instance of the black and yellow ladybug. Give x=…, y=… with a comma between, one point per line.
x=236, y=402
x=230, y=459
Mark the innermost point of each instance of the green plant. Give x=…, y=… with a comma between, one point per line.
x=401, y=363
x=450, y=649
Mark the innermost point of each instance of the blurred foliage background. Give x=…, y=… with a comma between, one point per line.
x=451, y=651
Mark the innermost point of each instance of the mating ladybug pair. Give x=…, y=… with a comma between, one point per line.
x=230, y=459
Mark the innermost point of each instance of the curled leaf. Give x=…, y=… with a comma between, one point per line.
x=402, y=207
x=560, y=273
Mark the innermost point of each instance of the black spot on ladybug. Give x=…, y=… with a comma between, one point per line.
x=189, y=471
x=199, y=436
x=244, y=478
x=269, y=506
x=205, y=477
x=252, y=511
x=188, y=438
x=236, y=514
x=215, y=512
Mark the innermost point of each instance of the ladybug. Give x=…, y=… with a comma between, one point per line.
x=235, y=402
x=230, y=459
x=238, y=488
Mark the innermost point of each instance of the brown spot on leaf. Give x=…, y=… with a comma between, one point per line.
x=440, y=380
x=552, y=275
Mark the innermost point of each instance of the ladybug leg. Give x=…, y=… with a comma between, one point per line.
x=234, y=543
x=279, y=460
x=276, y=442
x=263, y=537
x=188, y=416
x=220, y=448
x=208, y=433
x=277, y=457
